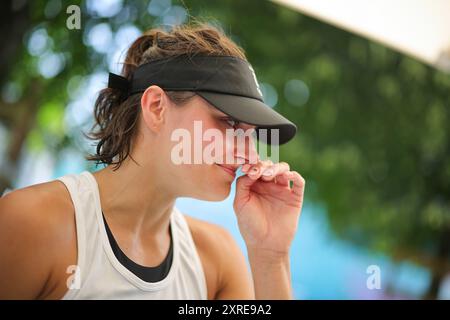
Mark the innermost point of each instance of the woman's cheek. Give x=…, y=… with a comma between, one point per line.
x=214, y=147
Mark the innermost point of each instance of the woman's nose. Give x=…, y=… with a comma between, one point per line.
x=247, y=151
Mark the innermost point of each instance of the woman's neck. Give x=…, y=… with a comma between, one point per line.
x=133, y=198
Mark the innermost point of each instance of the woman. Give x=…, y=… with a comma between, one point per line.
x=115, y=233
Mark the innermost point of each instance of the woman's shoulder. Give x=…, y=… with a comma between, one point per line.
x=214, y=239
x=42, y=214
x=38, y=202
x=207, y=237
x=207, y=234
x=220, y=255
x=36, y=224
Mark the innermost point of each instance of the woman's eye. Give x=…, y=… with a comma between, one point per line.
x=233, y=123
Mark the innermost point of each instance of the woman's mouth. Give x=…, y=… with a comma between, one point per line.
x=228, y=169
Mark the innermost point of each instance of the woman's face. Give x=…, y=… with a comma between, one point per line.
x=199, y=156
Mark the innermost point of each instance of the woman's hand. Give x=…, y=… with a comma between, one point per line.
x=267, y=208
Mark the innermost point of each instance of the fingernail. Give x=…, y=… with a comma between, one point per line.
x=245, y=167
x=268, y=172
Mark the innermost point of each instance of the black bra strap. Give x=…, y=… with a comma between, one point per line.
x=148, y=274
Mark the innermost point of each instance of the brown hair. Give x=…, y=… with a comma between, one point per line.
x=116, y=117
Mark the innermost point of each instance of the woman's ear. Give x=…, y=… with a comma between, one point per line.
x=153, y=107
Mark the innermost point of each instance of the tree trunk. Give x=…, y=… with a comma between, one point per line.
x=23, y=121
x=440, y=270
x=14, y=22
x=435, y=285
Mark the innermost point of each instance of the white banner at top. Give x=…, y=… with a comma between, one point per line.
x=419, y=28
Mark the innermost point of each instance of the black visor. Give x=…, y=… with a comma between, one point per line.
x=227, y=83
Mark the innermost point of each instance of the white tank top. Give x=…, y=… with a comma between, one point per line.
x=99, y=275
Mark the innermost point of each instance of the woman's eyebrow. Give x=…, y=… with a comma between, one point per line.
x=219, y=113
x=215, y=111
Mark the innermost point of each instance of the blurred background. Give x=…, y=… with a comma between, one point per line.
x=373, y=141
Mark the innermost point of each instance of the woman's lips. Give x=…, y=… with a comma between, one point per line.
x=228, y=170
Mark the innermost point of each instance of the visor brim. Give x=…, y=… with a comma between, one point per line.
x=253, y=112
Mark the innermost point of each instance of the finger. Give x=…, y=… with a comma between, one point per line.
x=283, y=179
x=243, y=185
x=298, y=187
x=245, y=167
x=272, y=171
x=255, y=171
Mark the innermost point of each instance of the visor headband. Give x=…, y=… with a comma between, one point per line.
x=220, y=74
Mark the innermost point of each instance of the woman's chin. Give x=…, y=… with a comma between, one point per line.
x=216, y=193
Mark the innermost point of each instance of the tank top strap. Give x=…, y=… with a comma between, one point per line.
x=189, y=251
x=83, y=203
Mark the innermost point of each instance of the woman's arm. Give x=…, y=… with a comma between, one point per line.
x=24, y=263
x=268, y=210
x=271, y=275
x=37, y=238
